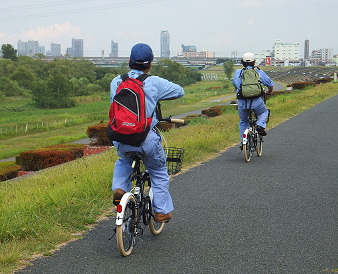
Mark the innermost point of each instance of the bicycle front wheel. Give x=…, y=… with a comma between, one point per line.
x=125, y=233
x=247, y=148
x=259, y=146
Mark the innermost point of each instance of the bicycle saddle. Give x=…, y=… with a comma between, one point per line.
x=133, y=154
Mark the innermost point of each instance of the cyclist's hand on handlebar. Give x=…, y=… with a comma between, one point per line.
x=269, y=91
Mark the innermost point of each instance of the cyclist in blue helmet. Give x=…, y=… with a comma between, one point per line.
x=156, y=89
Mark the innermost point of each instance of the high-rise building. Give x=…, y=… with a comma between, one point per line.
x=22, y=48
x=77, y=48
x=165, y=44
x=306, y=49
x=29, y=48
x=114, y=49
x=42, y=50
x=33, y=47
x=55, y=49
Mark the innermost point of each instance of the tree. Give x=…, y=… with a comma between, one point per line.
x=54, y=92
x=8, y=52
x=24, y=76
x=175, y=72
x=221, y=60
x=228, y=68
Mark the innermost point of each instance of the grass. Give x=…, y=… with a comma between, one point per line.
x=51, y=207
x=81, y=117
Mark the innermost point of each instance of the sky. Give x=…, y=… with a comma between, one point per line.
x=220, y=26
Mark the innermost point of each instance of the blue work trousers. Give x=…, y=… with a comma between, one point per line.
x=257, y=106
x=155, y=161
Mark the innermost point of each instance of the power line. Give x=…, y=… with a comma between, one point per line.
x=80, y=10
x=46, y=5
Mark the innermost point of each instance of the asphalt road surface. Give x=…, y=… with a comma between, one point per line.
x=276, y=214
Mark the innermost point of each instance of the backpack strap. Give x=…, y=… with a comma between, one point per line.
x=142, y=77
x=124, y=76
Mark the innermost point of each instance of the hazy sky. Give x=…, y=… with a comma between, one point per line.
x=220, y=26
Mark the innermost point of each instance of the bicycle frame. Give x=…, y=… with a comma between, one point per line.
x=251, y=139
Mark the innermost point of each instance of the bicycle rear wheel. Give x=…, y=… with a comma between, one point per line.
x=259, y=146
x=125, y=233
x=247, y=148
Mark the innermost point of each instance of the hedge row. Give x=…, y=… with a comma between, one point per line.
x=98, y=135
x=302, y=85
x=8, y=170
x=38, y=159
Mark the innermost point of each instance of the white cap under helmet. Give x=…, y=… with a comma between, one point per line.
x=248, y=57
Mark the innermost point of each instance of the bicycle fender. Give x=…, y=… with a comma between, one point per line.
x=245, y=139
x=119, y=216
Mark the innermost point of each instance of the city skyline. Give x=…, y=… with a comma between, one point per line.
x=217, y=26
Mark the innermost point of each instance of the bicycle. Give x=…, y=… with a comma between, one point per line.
x=134, y=212
x=252, y=141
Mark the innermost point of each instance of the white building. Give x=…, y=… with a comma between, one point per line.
x=285, y=51
x=261, y=56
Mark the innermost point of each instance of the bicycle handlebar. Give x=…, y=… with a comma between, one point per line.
x=172, y=120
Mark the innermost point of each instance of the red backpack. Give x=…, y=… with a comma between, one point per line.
x=128, y=121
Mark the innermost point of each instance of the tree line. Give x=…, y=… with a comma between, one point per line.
x=53, y=84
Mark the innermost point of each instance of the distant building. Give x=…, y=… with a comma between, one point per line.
x=42, y=50
x=55, y=50
x=260, y=57
x=335, y=59
x=202, y=54
x=285, y=51
x=22, y=48
x=29, y=48
x=322, y=54
x=114, y=49
x=69, y=51
x=165, y=44
x=77, y=48
x=190, y=48
x=306, y=50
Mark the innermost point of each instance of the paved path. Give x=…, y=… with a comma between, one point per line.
x=276, y=214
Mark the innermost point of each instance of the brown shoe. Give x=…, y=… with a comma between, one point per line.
x=161, y=218
x=117, y=196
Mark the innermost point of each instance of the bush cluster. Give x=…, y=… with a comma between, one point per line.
x=98, y=135
x=8, y=170
x=213, y=111
x=38, y=159
x=302, y=85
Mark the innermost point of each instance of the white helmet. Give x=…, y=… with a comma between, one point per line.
x=248, y=57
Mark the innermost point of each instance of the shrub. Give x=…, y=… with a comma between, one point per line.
x=302, y=85
x=164, y=126
x=38, y=159
x=195, y=118
x=8, y=170
x=323, y=80
x=213, y=111
x=98, y=135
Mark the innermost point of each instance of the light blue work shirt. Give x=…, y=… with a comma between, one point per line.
x=237, y=80
x=155, y=89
